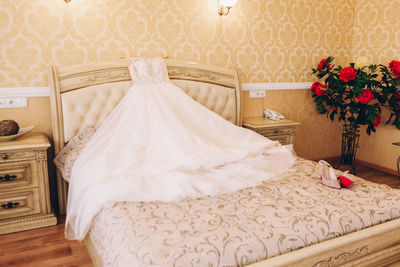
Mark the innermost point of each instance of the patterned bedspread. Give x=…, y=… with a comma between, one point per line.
x=240, y=228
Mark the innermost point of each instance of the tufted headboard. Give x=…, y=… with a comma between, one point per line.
x=83, y=96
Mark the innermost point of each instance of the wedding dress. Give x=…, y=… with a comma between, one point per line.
x=158, y=144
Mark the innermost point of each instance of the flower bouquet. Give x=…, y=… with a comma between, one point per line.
x=356, y=94
x=390, y=85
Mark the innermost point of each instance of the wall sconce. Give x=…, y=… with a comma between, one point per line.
x=224, y=6
x=67, y=1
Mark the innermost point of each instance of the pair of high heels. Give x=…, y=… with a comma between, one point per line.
x=329, y=178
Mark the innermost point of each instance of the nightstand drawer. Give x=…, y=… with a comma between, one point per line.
x=19, y=203
x=272, y=131
x=18, y=175
x=283, y=139
x=282, y=131
x=17, y=155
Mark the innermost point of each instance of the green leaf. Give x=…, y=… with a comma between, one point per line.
x=369, y=130
x=332, y=116
x=357, y=89
x=321, y=109
x=390, y=118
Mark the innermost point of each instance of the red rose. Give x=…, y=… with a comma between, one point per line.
x=321, y=89
x=348, y=74
x=334, y=109
x=395, y=68
x=314, y=86
x=397, y=94
x=322, y=64
x=377, y=121
x=365, y=96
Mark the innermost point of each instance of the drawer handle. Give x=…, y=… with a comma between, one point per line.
x=276, y=131
x=7, y=178
x=10, y=205
x=4, y=156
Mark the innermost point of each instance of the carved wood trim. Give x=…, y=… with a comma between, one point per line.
x=381, y=258
x=41, y=155
x=17, y=156
x=84, y=79
x=201, y=76
x=26, y=219
x=343, y=257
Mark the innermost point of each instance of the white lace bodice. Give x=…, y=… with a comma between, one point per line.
x=148, y=70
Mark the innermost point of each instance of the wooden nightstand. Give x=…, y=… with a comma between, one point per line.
x=282, y=131
x=24, y=184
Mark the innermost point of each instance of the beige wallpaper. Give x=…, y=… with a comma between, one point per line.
x=266, y=40
x=317, y=137
x=376, y=34
x=269, y=41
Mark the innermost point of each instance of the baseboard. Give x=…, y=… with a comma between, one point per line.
x=376, y=167
x=335, y=159
x=364, y=163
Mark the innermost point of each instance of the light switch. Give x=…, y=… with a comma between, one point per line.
x=13, y=102
x=257, y=94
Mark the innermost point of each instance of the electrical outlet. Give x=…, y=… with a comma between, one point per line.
x=258, y=94
x=13, y=102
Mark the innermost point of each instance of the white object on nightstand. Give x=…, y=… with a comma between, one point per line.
x=24, y=184
x=273, y=115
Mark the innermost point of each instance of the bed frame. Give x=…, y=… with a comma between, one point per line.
x=77, y=93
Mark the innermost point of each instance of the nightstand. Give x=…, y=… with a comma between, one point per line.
x=24, y=184
x=282, y=131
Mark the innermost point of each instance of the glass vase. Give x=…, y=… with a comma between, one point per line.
x=350, y=138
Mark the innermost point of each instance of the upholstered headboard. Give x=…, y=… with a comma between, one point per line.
x=83, y=96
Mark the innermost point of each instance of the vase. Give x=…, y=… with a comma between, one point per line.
x=350, y=137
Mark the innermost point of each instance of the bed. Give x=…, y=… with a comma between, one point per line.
x=313, y=225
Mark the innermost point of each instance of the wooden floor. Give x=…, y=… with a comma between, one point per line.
x=48, y=247
x=369, y=174
x=41, y=248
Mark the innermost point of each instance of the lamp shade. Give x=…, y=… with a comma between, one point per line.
x=228, y=3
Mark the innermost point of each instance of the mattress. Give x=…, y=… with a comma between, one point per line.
x=243, y=227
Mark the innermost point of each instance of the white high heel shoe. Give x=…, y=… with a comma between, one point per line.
x=328, y=176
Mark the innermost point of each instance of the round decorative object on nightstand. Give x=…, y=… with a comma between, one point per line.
x=8, y=127
x=22, y=131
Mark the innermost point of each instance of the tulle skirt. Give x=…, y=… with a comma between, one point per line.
x=158, y=144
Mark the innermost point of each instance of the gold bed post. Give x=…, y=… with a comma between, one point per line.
x=238, y=88
x=58, y=135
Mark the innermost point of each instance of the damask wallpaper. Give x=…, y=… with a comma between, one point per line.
x=376, y=34
x=266, y=40
x=317, y=137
